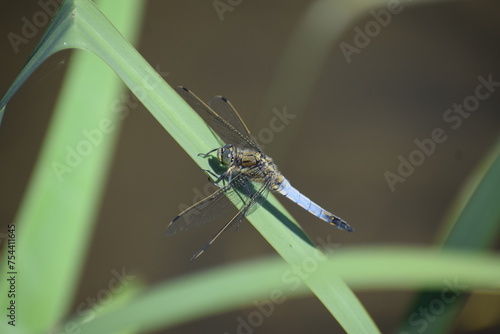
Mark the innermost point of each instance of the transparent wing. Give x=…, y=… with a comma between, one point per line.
x=228, y=133
x=248, y=208
x=241, y=190
x=226, y=110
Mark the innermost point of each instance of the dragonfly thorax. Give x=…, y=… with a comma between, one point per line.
x=248, y=161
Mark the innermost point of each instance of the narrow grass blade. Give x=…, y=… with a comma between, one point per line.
x=56, y=216
x=265, y=281
x=473, y=224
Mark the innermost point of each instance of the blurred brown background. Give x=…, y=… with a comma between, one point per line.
x=361, y=116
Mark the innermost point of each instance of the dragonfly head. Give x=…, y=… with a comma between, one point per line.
x=226, y=154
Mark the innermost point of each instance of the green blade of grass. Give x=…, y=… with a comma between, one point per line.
x=473, y=223
x=56, y=216
x=474, y=220
x=269, y=282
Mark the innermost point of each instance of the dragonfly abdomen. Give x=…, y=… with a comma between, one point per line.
x=286, y=189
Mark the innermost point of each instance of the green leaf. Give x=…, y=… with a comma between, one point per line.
x=270, y=282
x=56, y=217
x=473, y=223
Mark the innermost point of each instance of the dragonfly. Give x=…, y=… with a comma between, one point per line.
x=247, y=174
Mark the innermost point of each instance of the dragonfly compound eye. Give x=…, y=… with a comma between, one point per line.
x=226, y=156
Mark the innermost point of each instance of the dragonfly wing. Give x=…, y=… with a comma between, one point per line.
x=256, y=200
x=228, y=133
x=238, y=193
x=200, y=213
x=226, y=110
x=250, y=206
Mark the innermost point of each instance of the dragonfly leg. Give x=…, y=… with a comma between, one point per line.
x=211, y=173
x=205, y=155
x=227, y=175
x=215, y=184
x=218, y=178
